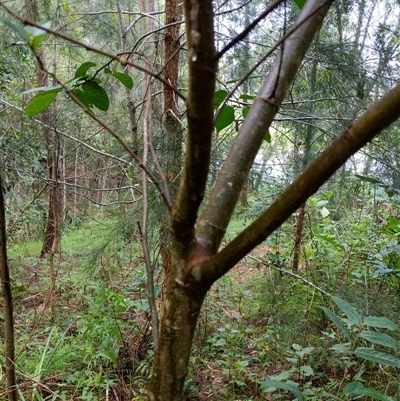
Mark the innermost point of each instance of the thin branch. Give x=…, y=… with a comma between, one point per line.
x=116, y=12
x=147, y=127
x=230, y=180
x=371, y=123
x=122, y=60
x=264, y=57
x=103, y=124
x=289, y=272
x=58, y=131
x=248, y=29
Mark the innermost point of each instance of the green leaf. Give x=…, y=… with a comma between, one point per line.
x=282, y=376
x=300, y=3
x=380, y=338
x=356, y=388
x=371, y=354
x=283, y=386
x=306, y=370
x=36, y=34
x=125, y=79
x=338, y=323
x=368, y=179
x=42, y=101
x=330, y=241
x=82, y=70
x=348, y=310
x=96, y=95
x=219, y=97
x=34, y=43
x=351, y=387
x=381, y=322
x=329, y=395
x=245, y=111
x=226, y=117
x=82, y=97
x=247, y=97
x=267, y=137
x=17, y=28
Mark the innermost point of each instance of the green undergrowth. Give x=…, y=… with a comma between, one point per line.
x=264, y=332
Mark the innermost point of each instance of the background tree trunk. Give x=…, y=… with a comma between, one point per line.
x=8, y=303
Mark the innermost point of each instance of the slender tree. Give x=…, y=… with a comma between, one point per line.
x=197, y=262
x=8, y=303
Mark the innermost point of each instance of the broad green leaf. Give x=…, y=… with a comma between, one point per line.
x=307, y=350
x=356, y=388
x=221, y=342
x=374, y=394
x=241, y=364
x=331, y=241
x=300, y=3
x=17, y=28
x=371, y=354
x=83, y=69
x=267, y=137
x=245, y=111
x=338, y=322
x=380, y=338
x=348, y=310
x=321, y=202
x=35, y=41
x=351, y=387
x=226, y=117
x=82, y=97
x=125, y=79
x=41, y=101
x=381, y=322
x=394, y=225
x=219, y=97
x=282, y=376
x=307, y=370
x=36, y=34
x=343, y=348
x=247, y=97
x=96, y=95
x=283, y=386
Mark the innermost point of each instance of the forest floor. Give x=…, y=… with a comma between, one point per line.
x=90, y=338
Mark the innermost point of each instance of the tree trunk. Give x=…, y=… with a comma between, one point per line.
x=173, y=129
x=193, y=270
x=308, y=140
x=178, y=322
x=8, y=304
x=298, y=236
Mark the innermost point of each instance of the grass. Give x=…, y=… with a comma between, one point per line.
x=254, y=324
